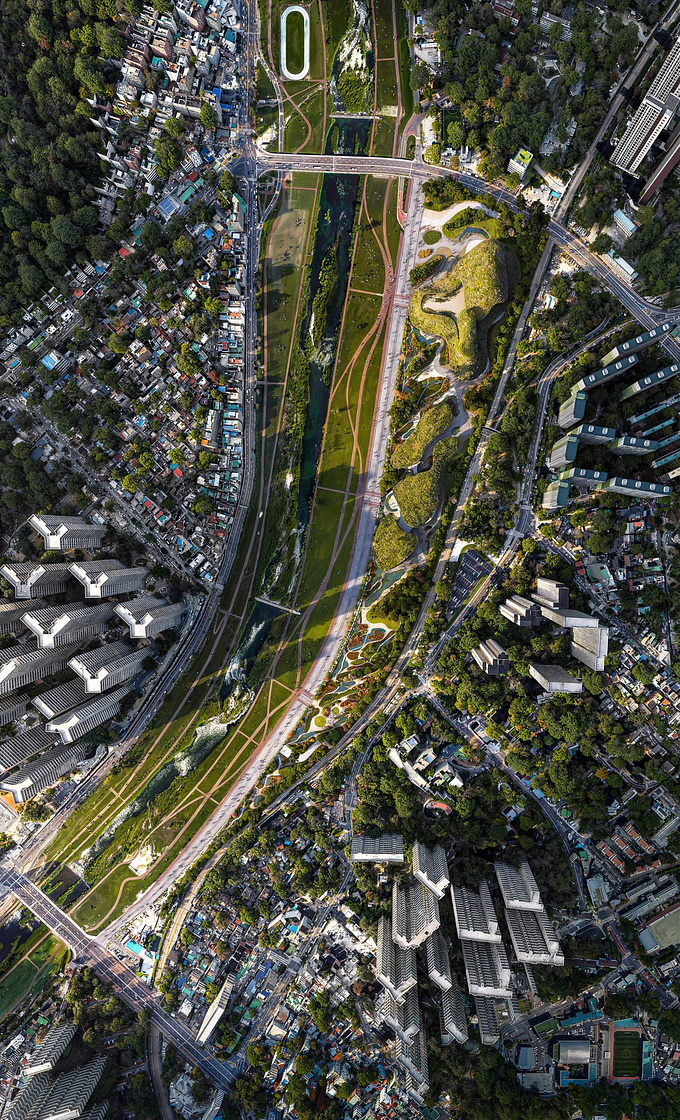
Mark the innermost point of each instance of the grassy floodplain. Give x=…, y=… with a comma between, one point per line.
x=172, y=820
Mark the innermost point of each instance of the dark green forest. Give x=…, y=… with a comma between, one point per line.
x=53, y=57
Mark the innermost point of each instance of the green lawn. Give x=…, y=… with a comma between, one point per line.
x=285, y=263
x=295, y=42
x=384, y=46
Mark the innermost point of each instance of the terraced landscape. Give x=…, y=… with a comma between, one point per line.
x=461, y=305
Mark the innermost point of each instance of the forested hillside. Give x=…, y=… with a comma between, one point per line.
x=53, y=56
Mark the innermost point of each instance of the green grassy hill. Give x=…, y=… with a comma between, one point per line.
x=432, y=423
x=391, y=546
x=418, y=494
x=487, y=275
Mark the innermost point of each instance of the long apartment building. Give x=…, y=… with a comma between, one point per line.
x=20, y=665
x=30, y=581
x=15, y=751
x=395, y=967
x=63, y=1098
x=438, y=963
x=60, y=699
x=102, y=578
x=533, y=935
x=403, y=1018
x=415, y=914
x=12, y=708
x=388, y=848
x=25, y=783
x=11, y=615
x=475, y=915
x=656, y=113
x=48, y=1052
x=486, y=964
x=73, y=725
x=430, y=868
x=108, y=666
x=147, y=616
x=65, y=533
x=487, y=969
x=57, y=626
x=452, y=1017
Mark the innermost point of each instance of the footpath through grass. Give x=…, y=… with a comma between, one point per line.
x=170, y=822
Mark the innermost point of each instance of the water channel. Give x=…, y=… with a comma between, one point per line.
x=339, y=195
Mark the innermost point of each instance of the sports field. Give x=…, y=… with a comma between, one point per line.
x=626, y=1054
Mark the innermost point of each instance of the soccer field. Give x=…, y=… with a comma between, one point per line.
x=626, y=1054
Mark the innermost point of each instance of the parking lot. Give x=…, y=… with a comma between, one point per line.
x=471, y=569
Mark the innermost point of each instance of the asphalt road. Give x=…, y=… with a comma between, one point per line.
x=132, y=991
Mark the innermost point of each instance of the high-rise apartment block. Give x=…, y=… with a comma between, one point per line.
x=73, y=725
x=452, y=1017
x=64, y=1098
x=395, y=967
x=148, y=616
x=533, y=937
x=633, y=445
x=554, y=678
x=594, y=434
x=431, y=868
x=640, y=342
x=388, y=848
x=22, y=747
x=590, y=646
x=66, y=533
x=102, y=578
x=636, y=488
x=46, y=1055
x=438, y=963
x=475, y=915
x=23, y=784
x=11, y=615
x=107, y=666
x=551, y=593
x=556, y=495
x=30, y=581
x=413, y=1057
x=563, y=452
x=652, y=381
x=403, y=1018
x=657, y=112
x=573, y=410
x=487, y=969
x=55, y=626
x=491, y=658
x=60, y=699
x=20, y=665
x=415, y=915
x=518, y=886
x=487, y=1022
x=13, y=708
x=521, y=612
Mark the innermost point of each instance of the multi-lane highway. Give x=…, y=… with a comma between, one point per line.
x=88, y=950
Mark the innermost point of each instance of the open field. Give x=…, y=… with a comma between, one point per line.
x=284, y=264
x=30, y=974
x=295, y=42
